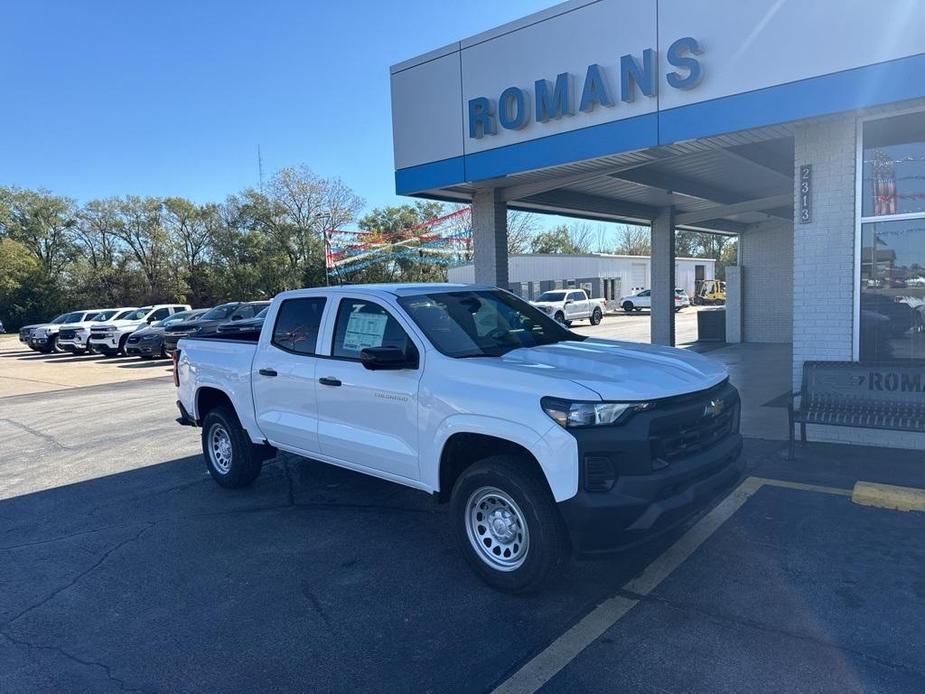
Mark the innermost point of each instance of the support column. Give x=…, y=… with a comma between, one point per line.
x=662, y=271
x=489, y=238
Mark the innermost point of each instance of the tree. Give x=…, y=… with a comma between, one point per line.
x=140, y=228
x=41, y=222
x=562, y=240
x=27, y=292
x=633, y=240
x=301, y=210
x=398, y=231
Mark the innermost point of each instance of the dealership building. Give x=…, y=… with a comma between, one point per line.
x=799, y=127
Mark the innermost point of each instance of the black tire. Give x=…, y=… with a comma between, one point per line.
x=559, y=317
x=146, y=357
x=239, y=464
x=596, y=316
x=567, y=324
x=53, y=347
x=547, y=548
x=121, y=349
x=628, y=306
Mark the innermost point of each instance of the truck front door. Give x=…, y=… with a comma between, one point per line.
x=368, y=418
x=578, y=308
x=284, y=375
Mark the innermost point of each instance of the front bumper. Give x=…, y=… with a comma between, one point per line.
x=104, y=344
x=146, y=349
x=644, y=502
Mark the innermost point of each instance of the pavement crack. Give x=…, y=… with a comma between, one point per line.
x=47, y=438
x=107, y=670
x=80, y=575
x=316, y=604
x=62, y=538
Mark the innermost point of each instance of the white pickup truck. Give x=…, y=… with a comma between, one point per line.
x=543, y=441
x=567, y=305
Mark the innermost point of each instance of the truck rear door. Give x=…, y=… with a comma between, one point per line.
x=283, y=373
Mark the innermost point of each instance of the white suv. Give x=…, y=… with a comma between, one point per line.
x=643, y=299
x=75, y=337
x=109, y=337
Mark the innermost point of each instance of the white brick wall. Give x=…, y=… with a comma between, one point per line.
x=766, y=254
x=824, y=263
x=823, y=250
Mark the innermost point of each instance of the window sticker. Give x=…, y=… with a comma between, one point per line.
x=364, y=330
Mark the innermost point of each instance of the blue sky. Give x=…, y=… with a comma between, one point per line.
x=165, y=97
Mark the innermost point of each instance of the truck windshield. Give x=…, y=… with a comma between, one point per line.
x=137, y=314
x=551, y=296
x=482, y=323
x=219, y=312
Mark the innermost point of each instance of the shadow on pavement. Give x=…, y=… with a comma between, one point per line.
x=315, y=578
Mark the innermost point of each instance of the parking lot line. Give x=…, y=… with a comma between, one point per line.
x=888, y=496
x=544, y=666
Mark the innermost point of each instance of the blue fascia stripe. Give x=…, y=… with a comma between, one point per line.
x=871, y=85
x=575, y=145
x=437, y=174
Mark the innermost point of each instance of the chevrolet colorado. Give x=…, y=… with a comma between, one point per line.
x=543, y=441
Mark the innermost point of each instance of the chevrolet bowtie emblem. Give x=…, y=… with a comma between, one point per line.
x=713, y=408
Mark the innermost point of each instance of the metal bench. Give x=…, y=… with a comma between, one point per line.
x=865, y=396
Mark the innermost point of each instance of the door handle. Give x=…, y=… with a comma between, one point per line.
x=267, y=372
x=325, y=381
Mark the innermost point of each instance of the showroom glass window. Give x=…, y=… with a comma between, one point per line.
x=892, y=321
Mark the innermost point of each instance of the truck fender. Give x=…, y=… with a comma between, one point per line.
x=246, y=418
x=555, y=450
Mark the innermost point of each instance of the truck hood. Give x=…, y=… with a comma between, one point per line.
x=119, y=324
x=623, y=371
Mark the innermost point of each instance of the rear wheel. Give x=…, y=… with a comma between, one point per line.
x=628, y=306
x=232, y=460
x=507, y=524
x=596, y=316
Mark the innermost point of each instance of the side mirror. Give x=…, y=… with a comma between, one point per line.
x=382, y=358
x=568, y=301
x=150, y=319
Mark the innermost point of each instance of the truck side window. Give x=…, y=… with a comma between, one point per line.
x=297, y=325
x=245, y=311
x=160, y=314
x=361, y=324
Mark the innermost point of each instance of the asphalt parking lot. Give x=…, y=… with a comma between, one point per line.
x=124, y=567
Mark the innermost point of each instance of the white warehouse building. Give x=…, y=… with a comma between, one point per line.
x=602, y=275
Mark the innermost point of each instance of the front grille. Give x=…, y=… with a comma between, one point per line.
x=693, y=437
x=67, y=334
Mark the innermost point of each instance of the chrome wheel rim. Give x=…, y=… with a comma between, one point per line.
x=496, y=528
x=220, y=449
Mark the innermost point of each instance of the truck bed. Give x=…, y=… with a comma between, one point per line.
x=221, y=363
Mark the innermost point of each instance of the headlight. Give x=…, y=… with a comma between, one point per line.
x=570, y=414
x=148, y=338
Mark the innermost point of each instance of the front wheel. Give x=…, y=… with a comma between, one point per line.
x=628, y=306
x=596, y=316
x=559, y=317
x=232, y=460
x=507, y=524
